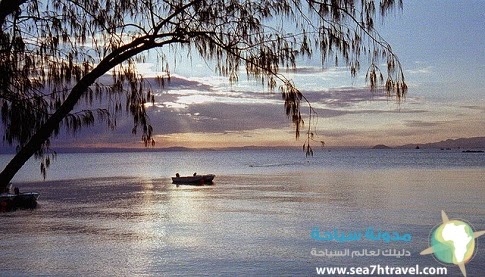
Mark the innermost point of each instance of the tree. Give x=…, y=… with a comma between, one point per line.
x=54, y=52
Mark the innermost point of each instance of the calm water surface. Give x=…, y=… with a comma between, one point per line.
x=256, y=220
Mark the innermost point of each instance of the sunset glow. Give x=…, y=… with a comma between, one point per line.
x=444, y=68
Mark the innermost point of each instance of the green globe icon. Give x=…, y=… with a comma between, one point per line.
x=453, y=242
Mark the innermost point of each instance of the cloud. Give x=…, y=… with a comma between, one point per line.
x=210, y=106
x=218, y=118
x=423, y=124
x=343, y=96
x=420, y=70
x=340, y=133
x=420, y=67
x=474, y=107
x=316, y=71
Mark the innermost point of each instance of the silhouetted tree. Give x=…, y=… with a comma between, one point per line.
x=53, y=52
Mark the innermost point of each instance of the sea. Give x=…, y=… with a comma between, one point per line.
x=369, y=212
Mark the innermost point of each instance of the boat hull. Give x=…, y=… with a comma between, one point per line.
x=194, y=180
x=11, y=202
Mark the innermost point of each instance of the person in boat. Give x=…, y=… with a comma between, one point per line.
x=177, y=175
x=17, y=202
x=195, y=173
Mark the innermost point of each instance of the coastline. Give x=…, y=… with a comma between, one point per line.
x=449, y=144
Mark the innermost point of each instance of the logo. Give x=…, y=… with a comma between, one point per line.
x=453, y=242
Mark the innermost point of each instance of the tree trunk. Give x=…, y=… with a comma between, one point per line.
x=116, y=57
x=36, y=141
x=8, y=7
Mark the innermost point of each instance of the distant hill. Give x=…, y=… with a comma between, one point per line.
x=381, y=146
x=468, y=143
x=60, y=150
x=461, y=143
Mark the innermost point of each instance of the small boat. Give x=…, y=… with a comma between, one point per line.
x=25, y=200
x=194, y=179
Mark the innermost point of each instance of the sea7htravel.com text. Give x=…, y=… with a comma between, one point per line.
x=382, y=270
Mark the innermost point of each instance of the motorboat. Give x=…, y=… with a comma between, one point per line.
x=194, y=179
x=25, y=200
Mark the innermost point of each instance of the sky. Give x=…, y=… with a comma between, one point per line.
x=440, y=44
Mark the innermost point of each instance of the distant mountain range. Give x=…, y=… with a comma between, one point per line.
x=462, y=143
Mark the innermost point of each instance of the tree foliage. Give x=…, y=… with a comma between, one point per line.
x=54, y=51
